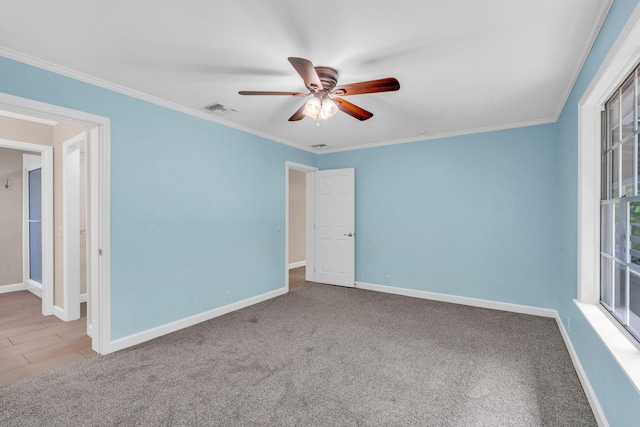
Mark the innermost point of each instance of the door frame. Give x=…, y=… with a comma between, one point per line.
x=99, y=254
x=310, y=201
x=43, y=290
x=71, y=227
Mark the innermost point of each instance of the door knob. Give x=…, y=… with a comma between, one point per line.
x=350, y=235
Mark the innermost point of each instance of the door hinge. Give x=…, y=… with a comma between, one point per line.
x=99, y=251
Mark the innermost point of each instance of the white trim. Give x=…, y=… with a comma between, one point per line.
x=455, y=299
x=59, y=313
x=71, y=224
x=591, y=39
x=12, y=288
x=440, y=135
x=159, y=331
x=83, y=298
x=34, y=287
x=297, y=264
x=100, y=204
x=28, y=118
x=310, y=271
x=54, y=68
x=31, y=162
x=582, y=376
x=309, y=235
x=619, y=63
x=617, y=342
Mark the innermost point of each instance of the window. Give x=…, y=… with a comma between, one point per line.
x=621, y=344
x=620, y=207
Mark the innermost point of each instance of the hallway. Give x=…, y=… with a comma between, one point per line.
x=31, y=343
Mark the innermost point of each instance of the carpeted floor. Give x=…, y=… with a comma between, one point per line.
x=322, y=356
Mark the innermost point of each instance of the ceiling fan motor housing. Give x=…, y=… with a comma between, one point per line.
x=328, y=77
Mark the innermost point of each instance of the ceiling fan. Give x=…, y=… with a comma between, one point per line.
x=321, y=82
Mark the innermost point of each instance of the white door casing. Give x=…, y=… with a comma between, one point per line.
x=71, y=227
x=335, y=227
x=31, y=162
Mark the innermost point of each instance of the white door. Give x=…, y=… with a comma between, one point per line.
x=32, y=236
x=335, y=227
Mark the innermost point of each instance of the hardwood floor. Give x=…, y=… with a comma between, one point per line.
x=31, y=343
x=297, y=277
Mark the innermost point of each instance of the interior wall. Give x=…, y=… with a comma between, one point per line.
x=11, y=216
x=470, y=216
x=620, y=401
x=297, y=215
x=26, y=131
x=192, y=202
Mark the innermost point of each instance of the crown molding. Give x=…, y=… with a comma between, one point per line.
x=95, y=81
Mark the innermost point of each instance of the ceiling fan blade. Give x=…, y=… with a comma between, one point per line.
x=352, y=110
x=305, y=68
x=258, y=92
x=381, y=85
x=298, y=115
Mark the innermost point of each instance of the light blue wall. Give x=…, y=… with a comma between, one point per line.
x=490, y=216
x=194, y=205
x=469, y=215
x=619, y=400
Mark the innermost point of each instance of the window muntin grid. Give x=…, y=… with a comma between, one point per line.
x=620, y=207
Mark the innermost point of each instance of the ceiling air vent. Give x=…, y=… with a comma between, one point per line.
x=320, y=146
x=219, y=109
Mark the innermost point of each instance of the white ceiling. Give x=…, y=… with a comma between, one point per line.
x=464, y=65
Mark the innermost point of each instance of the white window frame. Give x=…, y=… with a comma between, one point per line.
x=619, y=63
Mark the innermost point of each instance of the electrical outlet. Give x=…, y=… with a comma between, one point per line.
x=227, y=295
x=387, y=279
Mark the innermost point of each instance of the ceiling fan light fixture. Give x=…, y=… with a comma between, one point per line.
x=328, y=110
x=321, y=82
x=313, y=108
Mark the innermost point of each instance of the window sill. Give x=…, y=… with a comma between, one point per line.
x=619, y=344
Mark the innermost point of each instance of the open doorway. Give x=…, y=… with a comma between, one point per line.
x=299, y=217
x=329, y=225
x=75, y=135
x=27, y=219
x=297, y=228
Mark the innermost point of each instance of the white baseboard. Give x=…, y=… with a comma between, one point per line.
x=34, y=287
x=297, y=264
x=90, y=330
x=12, y=288
x=62, y=313
x=59, y=313
x=156, y=332
x=582, y=376
x=474, y=302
